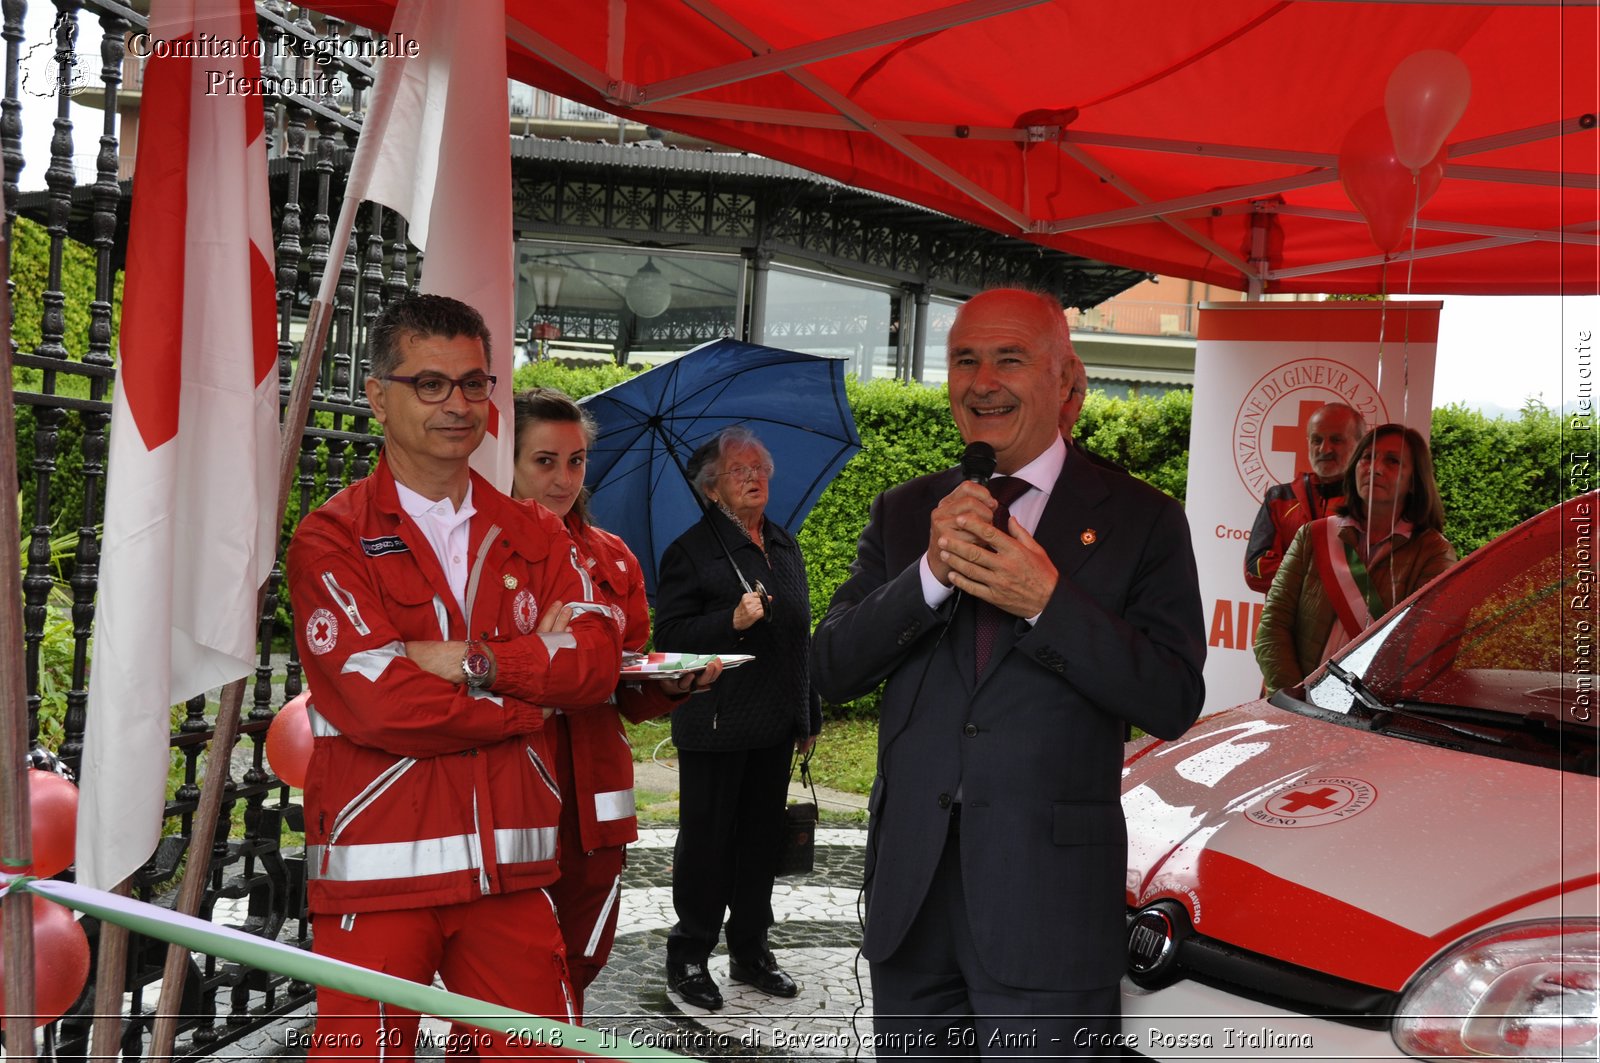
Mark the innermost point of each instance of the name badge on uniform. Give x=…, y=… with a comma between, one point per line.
x=384, y=544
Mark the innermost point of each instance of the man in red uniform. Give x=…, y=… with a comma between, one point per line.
x=1331, y=435
x=431, y=808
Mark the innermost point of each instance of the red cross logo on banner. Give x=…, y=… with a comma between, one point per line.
x=1291, y=438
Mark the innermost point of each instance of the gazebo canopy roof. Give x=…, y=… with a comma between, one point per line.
x=1162, y=135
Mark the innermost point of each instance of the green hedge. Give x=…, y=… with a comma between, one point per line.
x=1493, y=473
x=576, y=380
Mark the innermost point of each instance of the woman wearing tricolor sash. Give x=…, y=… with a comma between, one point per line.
x=1343, y=572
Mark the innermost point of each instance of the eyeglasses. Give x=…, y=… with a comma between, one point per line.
x=748, y=472
x=434, y=388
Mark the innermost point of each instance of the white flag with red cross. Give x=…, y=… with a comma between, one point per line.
x=436, y=147
x=191, y=493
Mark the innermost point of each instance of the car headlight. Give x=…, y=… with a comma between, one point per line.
x=1520, y=991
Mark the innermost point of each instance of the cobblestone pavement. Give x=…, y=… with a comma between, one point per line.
x=815, y=940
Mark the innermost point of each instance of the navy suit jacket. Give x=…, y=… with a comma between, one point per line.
x=1035, y=744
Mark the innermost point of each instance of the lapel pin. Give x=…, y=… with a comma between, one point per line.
x=1088, y=537
x=510, y=581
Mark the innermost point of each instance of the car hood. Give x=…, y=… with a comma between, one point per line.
x=1358, y=854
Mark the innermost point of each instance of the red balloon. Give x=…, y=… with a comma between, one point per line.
x=53, y=807
x=60, y=961
x=289, y=741
x=1379, y=184
x=1425, y=98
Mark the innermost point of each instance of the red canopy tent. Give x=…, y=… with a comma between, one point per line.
x=1195, y=140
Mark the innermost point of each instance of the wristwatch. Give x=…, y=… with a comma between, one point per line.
x=477, y=665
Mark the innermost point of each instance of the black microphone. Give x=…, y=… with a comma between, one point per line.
x=977, y=462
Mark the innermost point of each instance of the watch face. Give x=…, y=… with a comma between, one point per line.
x=476, y=666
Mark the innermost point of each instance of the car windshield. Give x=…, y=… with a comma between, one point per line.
x=1512, y=629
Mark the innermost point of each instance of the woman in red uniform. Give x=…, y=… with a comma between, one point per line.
x=594, y=763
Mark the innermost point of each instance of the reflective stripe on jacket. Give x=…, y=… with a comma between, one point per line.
x=421, y=791
x=602, y=760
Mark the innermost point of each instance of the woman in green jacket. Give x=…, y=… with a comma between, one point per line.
x=1342, y=573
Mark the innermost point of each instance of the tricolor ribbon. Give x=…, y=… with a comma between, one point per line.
x=227, y=943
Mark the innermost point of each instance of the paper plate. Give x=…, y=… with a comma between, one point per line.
x=670, y=665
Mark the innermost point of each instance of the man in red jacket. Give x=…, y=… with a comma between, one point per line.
x=1331, y=434
x=431, y=806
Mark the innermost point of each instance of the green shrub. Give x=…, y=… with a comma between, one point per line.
x=1148, y=437
x=1493, y=473
x=906, y=431
x=576, y=380
x=59, y=644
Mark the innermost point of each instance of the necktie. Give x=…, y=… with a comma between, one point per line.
x=992, y=620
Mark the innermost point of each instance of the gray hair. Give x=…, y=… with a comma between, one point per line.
x=420, y=315
x=705, y=464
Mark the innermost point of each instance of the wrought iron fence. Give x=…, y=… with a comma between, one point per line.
x=64, y=339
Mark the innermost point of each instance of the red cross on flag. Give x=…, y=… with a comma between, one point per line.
x=190, y=529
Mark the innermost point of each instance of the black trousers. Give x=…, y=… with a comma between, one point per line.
x=730, y=809
x=933, y=998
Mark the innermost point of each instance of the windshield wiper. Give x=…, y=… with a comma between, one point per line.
x=1547, y=722
x=1358, y=690
x=1380, y=713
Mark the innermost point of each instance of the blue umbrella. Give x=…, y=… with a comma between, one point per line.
x=649, y=425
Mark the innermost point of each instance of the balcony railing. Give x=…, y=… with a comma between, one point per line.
x=1130, y=317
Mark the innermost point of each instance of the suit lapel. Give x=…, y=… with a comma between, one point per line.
x=1069, y=529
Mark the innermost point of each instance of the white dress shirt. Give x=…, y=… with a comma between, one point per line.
x=446, y=529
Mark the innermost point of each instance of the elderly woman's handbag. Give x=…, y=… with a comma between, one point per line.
x=799, y=851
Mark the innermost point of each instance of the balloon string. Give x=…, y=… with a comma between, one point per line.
x=1383, y=316
x=1372, y=456
x=1405, y=334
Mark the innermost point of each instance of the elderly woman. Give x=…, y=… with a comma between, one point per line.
x=735, y=743
x=1341, y=573
x=589, y=749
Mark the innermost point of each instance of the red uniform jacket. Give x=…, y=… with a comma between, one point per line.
x=602, y=760
x=421, y=791
x=1284, y=510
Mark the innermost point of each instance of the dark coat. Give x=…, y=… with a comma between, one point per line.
x=1035, y=745
x=771, y=699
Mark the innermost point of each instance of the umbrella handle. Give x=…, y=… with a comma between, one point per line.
x=756, y=588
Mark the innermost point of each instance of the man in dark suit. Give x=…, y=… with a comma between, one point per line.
x=997, y=849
